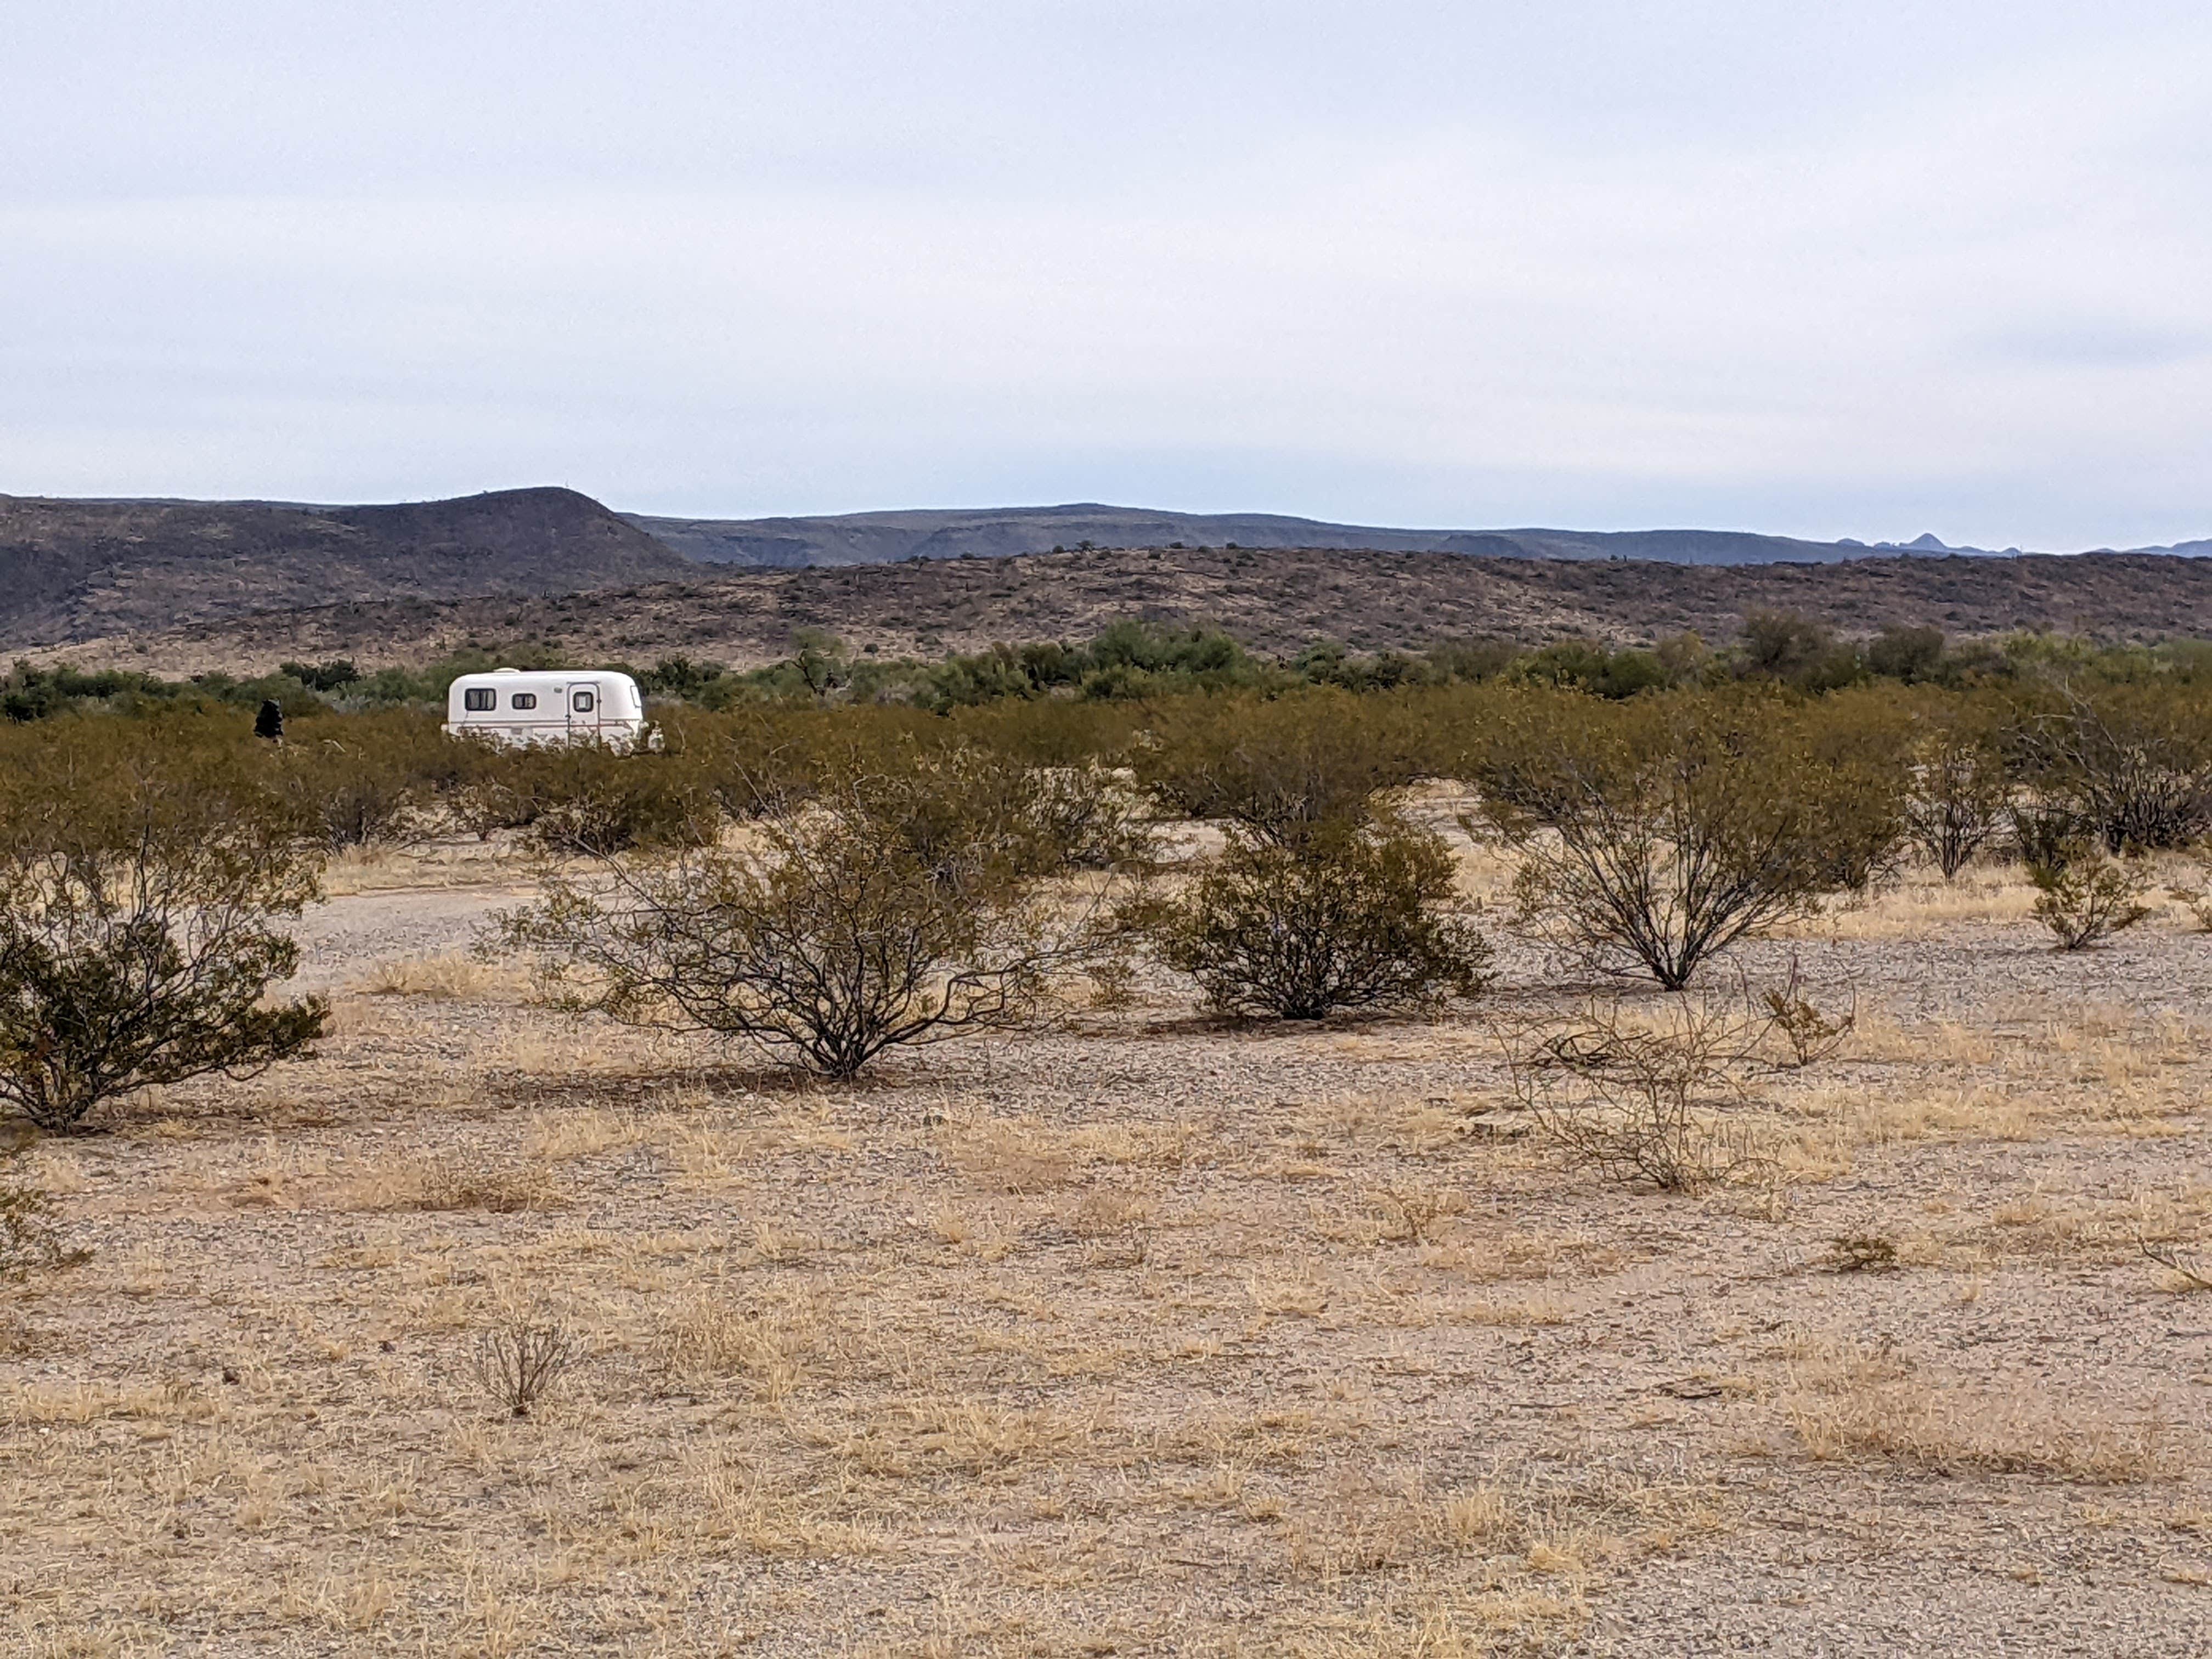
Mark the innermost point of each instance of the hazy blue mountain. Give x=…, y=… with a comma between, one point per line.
x=995, y=532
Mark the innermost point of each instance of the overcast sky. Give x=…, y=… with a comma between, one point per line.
x=1865, y=269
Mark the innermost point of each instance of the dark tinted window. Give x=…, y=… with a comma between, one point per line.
x=477, y=700
x=584, y=703
x=524, y=700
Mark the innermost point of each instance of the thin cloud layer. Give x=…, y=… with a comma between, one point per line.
x=1607, y=265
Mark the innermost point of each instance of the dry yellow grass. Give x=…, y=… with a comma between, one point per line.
x=452, y=977
x=1139, y=1337
x=429, y=868
x=1847, y=1401
x=1921, y=900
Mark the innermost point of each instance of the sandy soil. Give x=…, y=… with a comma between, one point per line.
x=1144, y=1336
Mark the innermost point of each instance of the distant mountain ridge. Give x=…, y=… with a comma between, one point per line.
x=849, y=539
x=80, y=570
x=76, y=570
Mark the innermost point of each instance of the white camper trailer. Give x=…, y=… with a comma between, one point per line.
x=516, y=707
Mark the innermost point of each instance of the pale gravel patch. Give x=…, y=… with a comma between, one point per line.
x=1654, y=1298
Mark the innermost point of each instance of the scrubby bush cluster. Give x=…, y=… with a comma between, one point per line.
x=1324, y=896
x=1645, y=1097
x=1143, y=661
x=1655, y=833
x=898, y=900
x=144, y=884
x=832, y=877
x=1362, y=916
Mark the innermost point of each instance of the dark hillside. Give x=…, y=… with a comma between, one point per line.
x=75, y=570
x=1277, y=601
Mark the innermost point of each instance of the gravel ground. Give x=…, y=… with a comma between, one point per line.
x=1148, y=1335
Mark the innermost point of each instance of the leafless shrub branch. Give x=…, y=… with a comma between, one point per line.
x=1809, y=1034
x=1646, y=1096
x=520, y=1359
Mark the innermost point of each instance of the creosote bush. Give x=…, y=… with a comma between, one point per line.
x=1959, y=792
x=824, y=938
x=141, y=890
x=1364, y=917
x=372, y=780
x=1655, y=834
x=2089, y=896
x=1857, y=745
x=590, y=800
x=1280, y=770
x=965, y=813
x=2131, y=765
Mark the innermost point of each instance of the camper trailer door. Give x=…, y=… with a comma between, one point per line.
x=584, y=703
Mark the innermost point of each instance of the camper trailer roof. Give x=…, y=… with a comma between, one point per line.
x=546, y=674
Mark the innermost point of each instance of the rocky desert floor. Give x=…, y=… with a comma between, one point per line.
x=1144, y=1335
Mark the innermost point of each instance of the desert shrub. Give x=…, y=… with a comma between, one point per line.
x=1281, y=768
x=332, y=676
x=1361, y=917
x=1051, y=730
x=1910, y=654
x=29, y=693
x=1137, y=658
x=521, y=1359
x=763, y=759
x=1790, y=647
x=1655, y=833
x=1644, y=1098
x=367, y=779
x=1091, y=818
x=964, y=813
x=1583, y=666
x=591, y=801
x=2045, y=834
x=140, y=893
x=2088, y=896
x=819, y=940
x=1378, y=670
x=1857, y=742
x=1959, y=791
x=2131, y=764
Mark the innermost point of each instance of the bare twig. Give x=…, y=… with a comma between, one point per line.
x=520, y=1360
x=1642, y=1100
x=1809, y=1035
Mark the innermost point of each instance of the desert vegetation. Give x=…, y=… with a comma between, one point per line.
x=1482, y=1161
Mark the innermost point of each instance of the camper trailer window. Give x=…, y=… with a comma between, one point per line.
x=584, y=701
x=478, y=702
x=524, y=700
